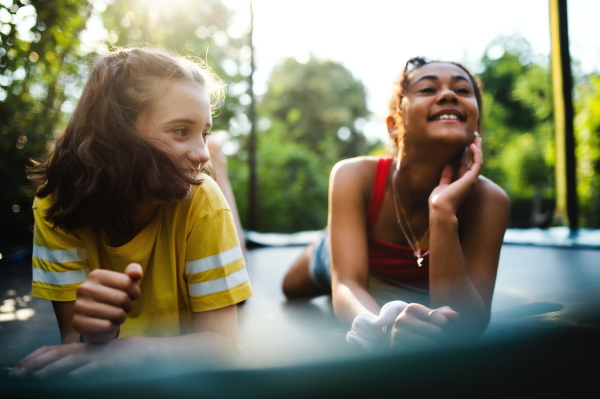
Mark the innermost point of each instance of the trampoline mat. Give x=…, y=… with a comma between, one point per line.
x=544, y=321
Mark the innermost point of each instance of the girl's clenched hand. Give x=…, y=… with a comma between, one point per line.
x=103, y=302
x=419, y=326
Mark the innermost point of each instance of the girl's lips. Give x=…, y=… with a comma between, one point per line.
x=448, y=114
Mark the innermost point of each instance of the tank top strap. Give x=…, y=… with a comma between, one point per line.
x=379, y=185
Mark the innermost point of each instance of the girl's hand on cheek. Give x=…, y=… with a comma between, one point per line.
x=103, y=302
x=448, y=196
x=419, y=327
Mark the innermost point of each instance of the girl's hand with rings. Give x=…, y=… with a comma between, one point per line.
x=448, y=195
x=419, y=326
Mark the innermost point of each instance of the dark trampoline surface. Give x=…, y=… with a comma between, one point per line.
x=545, y=315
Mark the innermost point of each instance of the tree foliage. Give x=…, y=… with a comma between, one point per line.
x=39, y=65
x=519, y=129
x=312, y=116
x=198, y=29
x=587, y=129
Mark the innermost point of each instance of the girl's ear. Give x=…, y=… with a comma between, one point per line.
x=391, y=125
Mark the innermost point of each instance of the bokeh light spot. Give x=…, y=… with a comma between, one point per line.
x=24, y=314
x=202, y=32
x=16, y=208
x=21, y=142
x=343, y=133
x=7, y=316
x=9, y=311
x=8, y=306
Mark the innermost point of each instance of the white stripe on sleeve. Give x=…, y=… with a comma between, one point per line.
x=214, y=261
x=59, y=255
x=60, y=278
x=220, y=284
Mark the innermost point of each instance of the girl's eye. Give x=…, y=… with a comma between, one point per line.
x=180, y=132
x=463, y=90
x=205, y=135
x=427, y=90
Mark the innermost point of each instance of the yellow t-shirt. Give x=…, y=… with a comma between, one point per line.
x=189, y=252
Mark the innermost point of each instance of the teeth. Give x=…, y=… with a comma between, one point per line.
x=447, y=116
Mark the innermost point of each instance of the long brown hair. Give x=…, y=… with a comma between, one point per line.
x=100, y=167
x=399, y=91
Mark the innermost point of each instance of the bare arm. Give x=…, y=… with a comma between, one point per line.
x=64, y=312
x=222, y=321
x=349, y=254
x=463, y=275
x=219, y=161
x=214, y=340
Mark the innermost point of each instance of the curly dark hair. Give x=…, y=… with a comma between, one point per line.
x=100, y=167
x=399, y=91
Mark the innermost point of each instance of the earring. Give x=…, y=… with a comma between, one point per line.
x=394, y=132
x=477, y=134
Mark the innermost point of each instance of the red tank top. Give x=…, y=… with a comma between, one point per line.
x=390, y=261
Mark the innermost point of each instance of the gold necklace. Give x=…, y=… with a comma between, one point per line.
x=415, y=246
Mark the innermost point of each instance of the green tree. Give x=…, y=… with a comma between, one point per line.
x=311, y=117
x=39, y=68
x=519, y=129
x=315, y=100
x=193, y=28
x=587, y=130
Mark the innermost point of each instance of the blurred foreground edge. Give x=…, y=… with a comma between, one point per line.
x=551, y=363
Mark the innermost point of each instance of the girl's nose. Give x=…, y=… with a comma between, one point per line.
x=447, y=95
x=198, y=151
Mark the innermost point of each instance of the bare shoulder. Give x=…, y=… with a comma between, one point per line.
x=490, y=195
x=487, y=206
x=356, y=172
x=361, y=165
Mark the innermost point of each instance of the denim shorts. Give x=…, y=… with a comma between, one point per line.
x=319, y=266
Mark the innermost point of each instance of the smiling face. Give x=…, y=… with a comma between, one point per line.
x=440, y=104
x=181, y=120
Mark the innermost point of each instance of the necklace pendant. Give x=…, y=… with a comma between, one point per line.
x=417, y=252
x=419, y=261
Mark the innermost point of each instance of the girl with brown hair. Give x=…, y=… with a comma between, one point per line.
x=130, y=240
x=424, y=221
